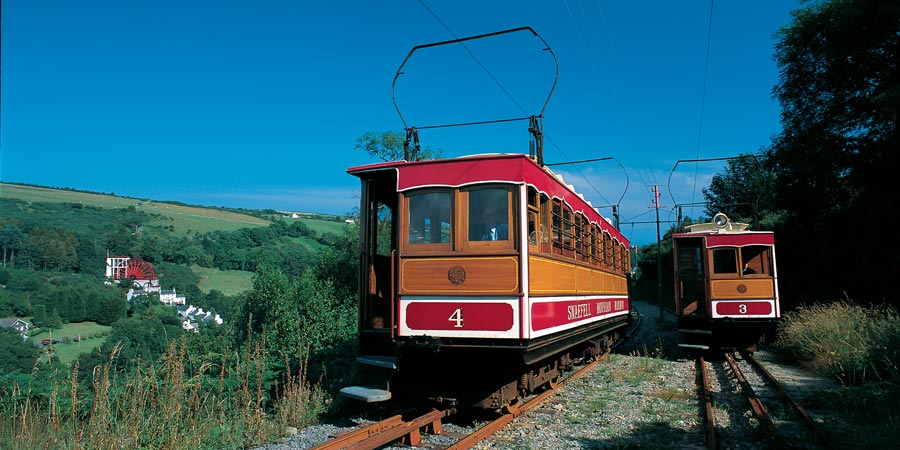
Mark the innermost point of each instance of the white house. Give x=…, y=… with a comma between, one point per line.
x=20, y=325
x=171, y=297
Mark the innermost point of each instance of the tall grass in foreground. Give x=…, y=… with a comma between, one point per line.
x=158, y=405
x=847, y=341
x=859, y=347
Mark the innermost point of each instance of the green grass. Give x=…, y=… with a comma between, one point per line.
x=321, y=226
x=72, y=330
x=312, y=245
x=228, y=282
x=68, y=352
x=181, y=218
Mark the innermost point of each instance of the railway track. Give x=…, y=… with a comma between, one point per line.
x=761, y=388
x=396, y=429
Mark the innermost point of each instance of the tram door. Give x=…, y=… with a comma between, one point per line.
x=690, y=277
x=377, y=246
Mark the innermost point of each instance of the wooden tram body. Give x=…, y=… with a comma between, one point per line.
x=481, y=277
x=726, y=285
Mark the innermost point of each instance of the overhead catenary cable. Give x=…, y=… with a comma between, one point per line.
x=477, y=61
x=702, y=101
x=508, y=94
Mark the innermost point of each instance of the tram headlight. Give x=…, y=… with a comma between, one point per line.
x=720, y=220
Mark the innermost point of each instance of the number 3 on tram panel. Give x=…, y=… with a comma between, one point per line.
x=457, y=317
x=742, y=308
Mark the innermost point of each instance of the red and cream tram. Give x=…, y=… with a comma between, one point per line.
x=481, y=278
x=726, y=285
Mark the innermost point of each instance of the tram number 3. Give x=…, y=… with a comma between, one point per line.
x=742, y=308
x=458, y=318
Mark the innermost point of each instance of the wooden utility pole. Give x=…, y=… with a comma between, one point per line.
x=658, y=252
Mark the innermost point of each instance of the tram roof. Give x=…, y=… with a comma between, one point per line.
x=484, y=169
x=731, y=238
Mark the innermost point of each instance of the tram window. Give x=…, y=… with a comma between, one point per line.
x=429, y=218
x=489, y=214
x=724, y=261
x=567, y=233
x=607, y=250
x=557, y=227
x=544, y=229
x=753, y=260
x=579, y=249
x=534, y=206
x=617, y=257
x=383, y=229
x=533, y=237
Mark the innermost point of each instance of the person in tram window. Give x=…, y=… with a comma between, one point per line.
x=495, y=226
x=748, y=270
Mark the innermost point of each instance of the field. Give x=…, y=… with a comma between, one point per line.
x=181, y=218
x=68, y=352
x=228, y=282
x=322, y=226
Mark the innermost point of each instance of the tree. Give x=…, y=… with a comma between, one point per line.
x=15, y=354
x=54, y=248
x=837, y=154
x=40, y=315
x=388, y=146
x=111, y=307
x=11, y=240
x=270, y=308
x=54, y=321
x=743, y=191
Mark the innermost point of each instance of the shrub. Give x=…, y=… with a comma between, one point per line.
x=845, y=340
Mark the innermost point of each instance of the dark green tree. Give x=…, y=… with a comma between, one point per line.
x=15, y=354
x=53, y=248
x=54, y=321
x=837, y=154
x=339, y=263
x=12, y=239
x=270, y=309
x=744, y=192
x=40, y=315
x=111, y=307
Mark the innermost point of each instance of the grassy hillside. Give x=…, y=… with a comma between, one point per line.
x=228, y=282
x=181, y=218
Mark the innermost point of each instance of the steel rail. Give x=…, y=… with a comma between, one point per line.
x=801, y=413
x=703, y=380
x=755, y=403
x=389, y=430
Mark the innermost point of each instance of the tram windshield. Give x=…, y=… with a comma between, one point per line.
x=754, y=260
x=430, y=218
x=489, y=214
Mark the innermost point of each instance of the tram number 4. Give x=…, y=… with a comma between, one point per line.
x=457, y=317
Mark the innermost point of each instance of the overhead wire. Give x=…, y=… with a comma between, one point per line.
x=702, y=101
x=508, y=94
x=477, y=61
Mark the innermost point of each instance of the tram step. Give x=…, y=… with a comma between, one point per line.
x=385, y=362
x=699, y=347
x=366, y=394
x=688, y=330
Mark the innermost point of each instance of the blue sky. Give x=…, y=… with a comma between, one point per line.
x=259, y=104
